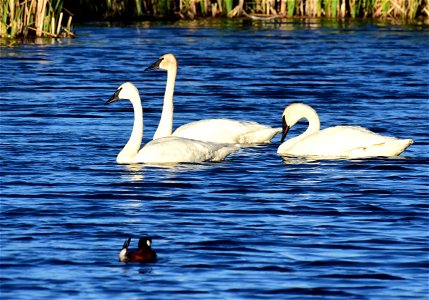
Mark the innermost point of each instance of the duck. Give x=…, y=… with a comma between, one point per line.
x=209, y=130
x=336, y=141
x=166, y=150
x=144, y=253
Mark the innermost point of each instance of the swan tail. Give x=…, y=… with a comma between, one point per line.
x=392, y=147
x=224, y=151
x=401, y=145
x=263, y=136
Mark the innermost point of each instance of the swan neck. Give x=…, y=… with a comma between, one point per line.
x=132, y=147
x=304, y=112
x=313, y=122
x=165, y=127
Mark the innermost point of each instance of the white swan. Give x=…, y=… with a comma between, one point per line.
x=164, y=150
x=210, y=130
x=334, y=142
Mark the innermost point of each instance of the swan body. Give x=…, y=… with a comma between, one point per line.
x=337, y=141
x=173, y=149
x=227, y=131
x=167, y=149
x=210, y=130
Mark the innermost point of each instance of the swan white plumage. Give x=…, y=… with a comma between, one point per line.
x=164, y=150
x=334, y=142
x=209, y=130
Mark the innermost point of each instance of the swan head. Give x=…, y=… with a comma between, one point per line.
x=126, y=91
x=166, y=62
x=293, y=113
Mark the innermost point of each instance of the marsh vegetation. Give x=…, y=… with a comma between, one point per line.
x=53, y=18
x=24, y=18
x=189, y=9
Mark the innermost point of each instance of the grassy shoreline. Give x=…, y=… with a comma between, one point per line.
x=123, y=10
x=53, y=18
x=34, y=18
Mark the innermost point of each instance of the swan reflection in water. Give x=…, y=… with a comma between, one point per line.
x=136, y=172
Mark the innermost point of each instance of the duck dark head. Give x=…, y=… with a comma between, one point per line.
x=144, y=253
x=145, y=243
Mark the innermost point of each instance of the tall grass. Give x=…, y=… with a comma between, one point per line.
x=25, y=18
x=291, y=7
x=404, y=9
x=39, y=18
x=228, y=6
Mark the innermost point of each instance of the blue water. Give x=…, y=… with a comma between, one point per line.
x=255, y=226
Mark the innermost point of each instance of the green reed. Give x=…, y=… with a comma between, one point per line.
x=48, y=18
x=356, y=6
x=228, y=6
x=33, y=18
x=405, y=9
x=138, y=8
x=291, y=7
x=203, y=7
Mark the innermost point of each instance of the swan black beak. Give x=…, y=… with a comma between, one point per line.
x=155, y=65
x=115, y=97
x=285, y=129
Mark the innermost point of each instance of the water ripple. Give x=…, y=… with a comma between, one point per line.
x=255, y=226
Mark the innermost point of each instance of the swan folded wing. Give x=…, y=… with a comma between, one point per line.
x=348, y=141
x=262, y=136
x=391, y=147
x=227, y=131
x=176, y=149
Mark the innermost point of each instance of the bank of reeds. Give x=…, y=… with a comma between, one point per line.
x=189, y=9
x=48, y=18
x=34, y=18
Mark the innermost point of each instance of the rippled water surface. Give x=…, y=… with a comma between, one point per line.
x=255, y=226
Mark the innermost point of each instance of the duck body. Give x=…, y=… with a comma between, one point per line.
x=337, y=141
x=144, y=253
x=225, y=131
